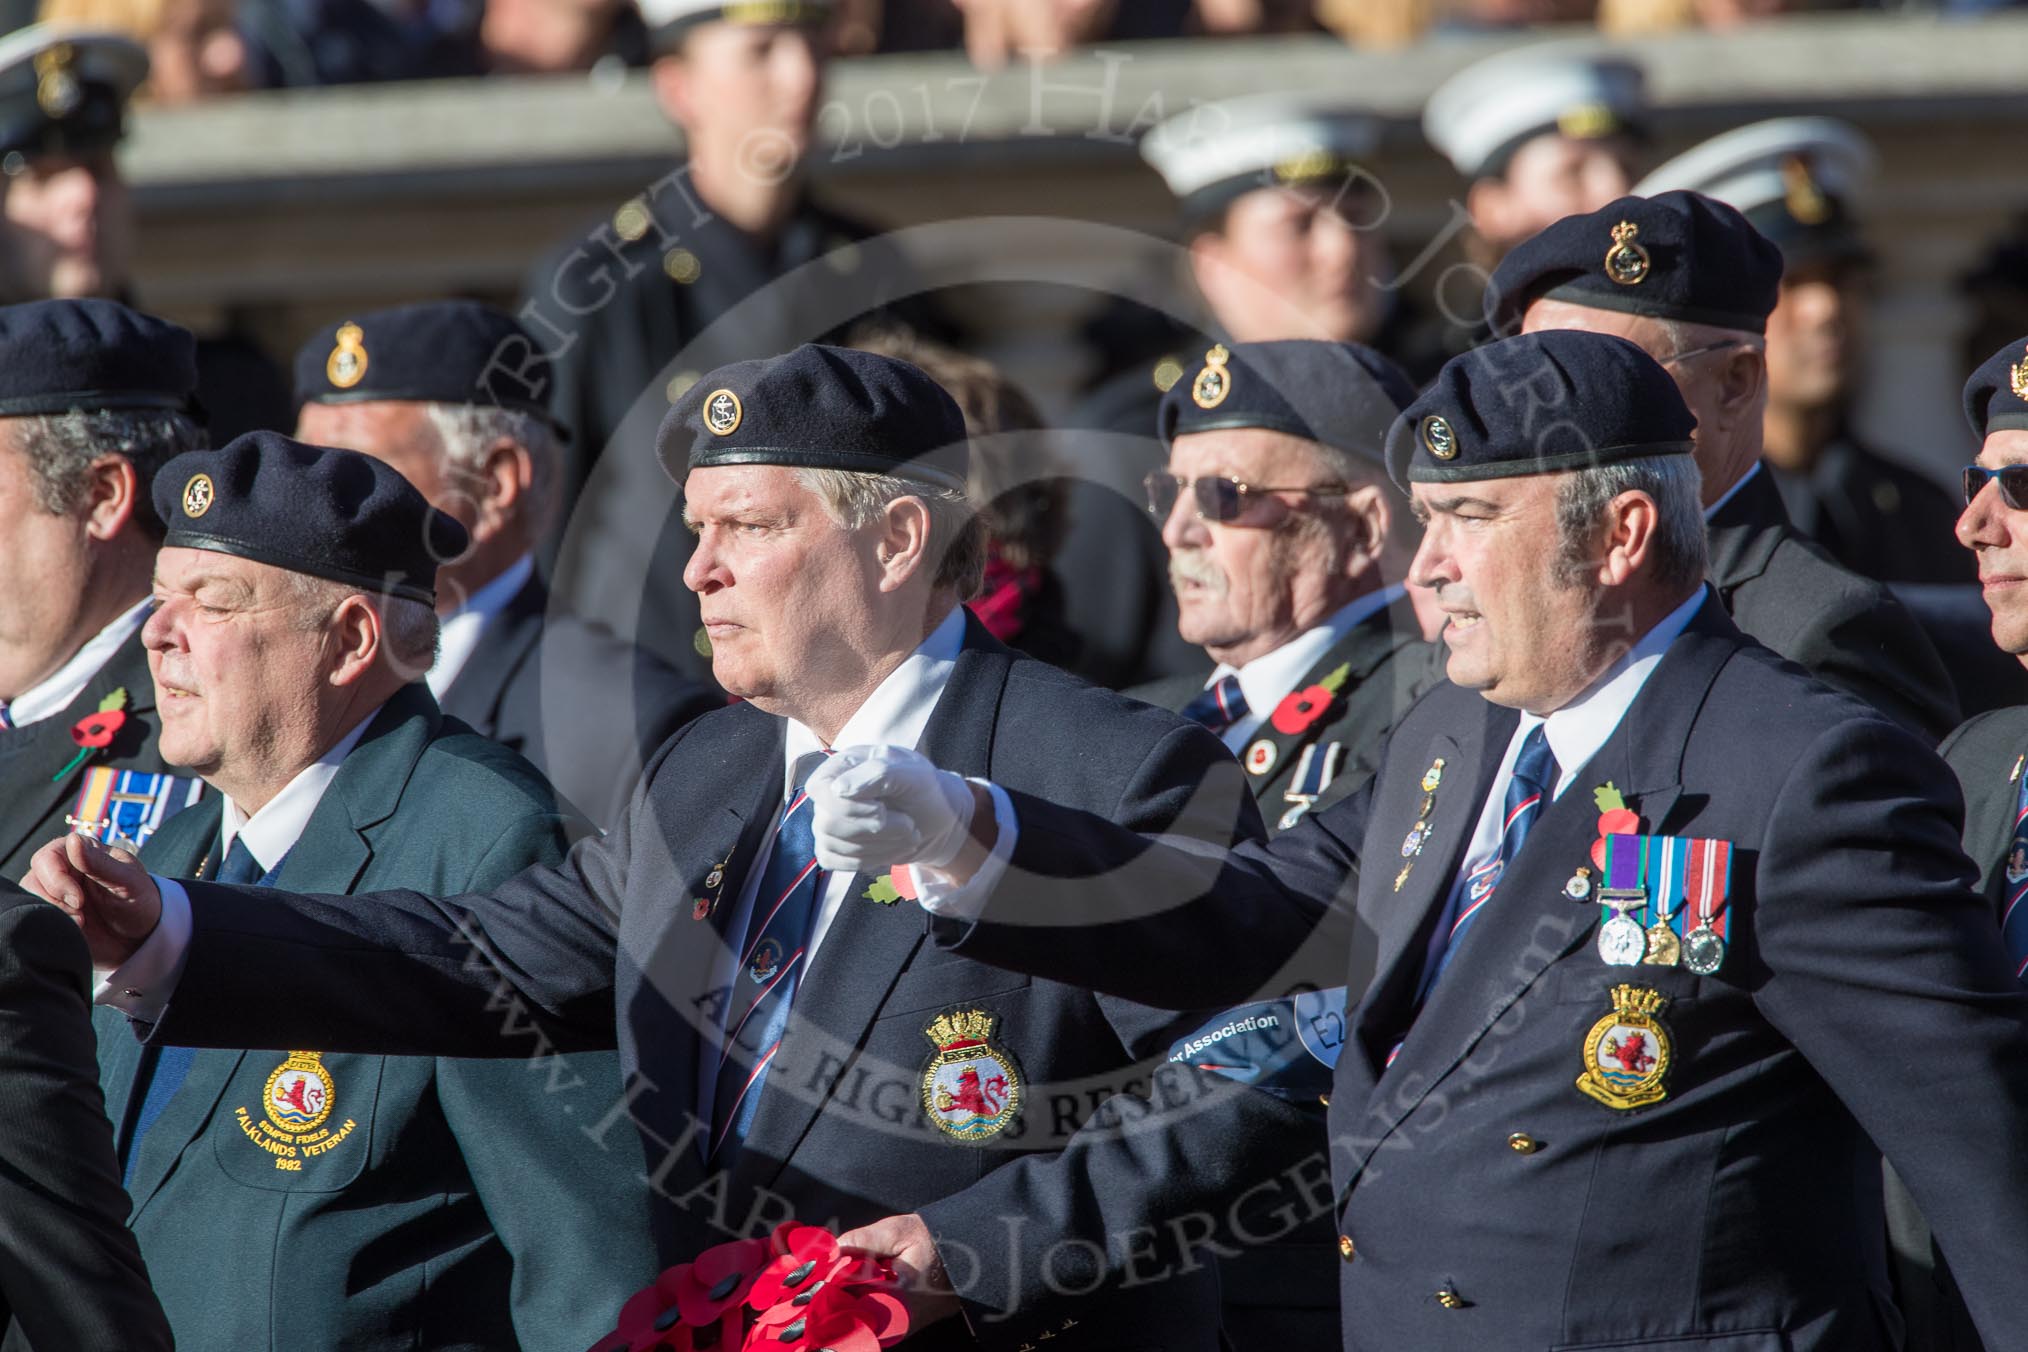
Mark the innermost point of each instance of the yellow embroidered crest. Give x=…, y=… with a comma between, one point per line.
x=1627, y=1053
x=57, y=91
x=296, y=1102
x=346, y=366
x=198, y=495
x=971, y=1089
x=2017, y=377
x=1214, y=382
x=1627, y=262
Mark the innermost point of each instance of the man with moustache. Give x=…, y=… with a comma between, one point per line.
x=785, y=1029
x=1692, y=283
x=1587, y=1064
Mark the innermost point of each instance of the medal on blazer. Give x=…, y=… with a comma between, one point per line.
x=1418, y=835
x=296, y=1104
x=1708, y=885
x=1627, y=1053
x=714, y=883
x=971, y=1089
x=124, y=807
x=1622, y=940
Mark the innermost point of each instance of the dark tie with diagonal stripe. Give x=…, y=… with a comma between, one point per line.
x=771, y=964
x=1219, y=705
x=2014, y=919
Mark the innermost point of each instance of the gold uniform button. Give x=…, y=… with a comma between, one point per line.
x=1521, y=1143
x=1347, y=1250
x=1324, y=1099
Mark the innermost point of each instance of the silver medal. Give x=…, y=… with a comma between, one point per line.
x=1622, y=942
x=1704, y=951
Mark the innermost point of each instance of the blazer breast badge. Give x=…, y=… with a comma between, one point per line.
x=971, y=1089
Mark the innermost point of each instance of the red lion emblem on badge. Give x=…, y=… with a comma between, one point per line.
x=303, y=1094
x=1631, y=1053
x=982, y=1100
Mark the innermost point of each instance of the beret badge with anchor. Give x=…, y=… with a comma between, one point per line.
x=722, y=412
x=198, y=495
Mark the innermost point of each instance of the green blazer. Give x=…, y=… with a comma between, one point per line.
x=325, y=1200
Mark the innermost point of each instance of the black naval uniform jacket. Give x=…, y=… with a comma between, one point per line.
x=629, y=324
x=71, y=1275
x=449, y=1204
x=1848, y=631
x=608, y=947
x=1483, y=1199
x=1283, y=1293
x=1880, y=519
x=35, y=797
x=585, y=707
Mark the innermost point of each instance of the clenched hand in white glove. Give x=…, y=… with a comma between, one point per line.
x=876, y=807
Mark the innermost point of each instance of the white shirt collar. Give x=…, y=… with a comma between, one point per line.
x=461, y=629
x=898, y=710
x=53, y=694
x=1270, y=678
x=274, y=830
x=1580, y=728
x=1729, y=494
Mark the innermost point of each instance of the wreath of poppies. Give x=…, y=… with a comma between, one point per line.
x=795, y=1291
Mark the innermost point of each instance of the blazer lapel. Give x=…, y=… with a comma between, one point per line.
x=1745, y=532
x=1530, y=923
x=35, y=754
x=1360, y=652
x=868, y=944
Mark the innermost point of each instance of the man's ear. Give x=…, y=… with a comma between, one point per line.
x=112, y=496
x=903, y=548
x=1740, y=382
x=353, y=640
x=669, y=78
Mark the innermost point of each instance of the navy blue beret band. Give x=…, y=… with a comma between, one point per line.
x=60, y=355
x=1677, y=255
x=819, y=407
x=1341, y=395
x=1996, y=397
x=310, y=509
x=1540, y=403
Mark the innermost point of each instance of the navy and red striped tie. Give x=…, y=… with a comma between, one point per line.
x=2014, y=919
x=1219, y=705
x=771, y=963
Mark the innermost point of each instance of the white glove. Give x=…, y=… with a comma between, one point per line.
x=875, y=807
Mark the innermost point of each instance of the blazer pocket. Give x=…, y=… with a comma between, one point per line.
x=948, y=983
x=298, y=1121
x=1752, y=1340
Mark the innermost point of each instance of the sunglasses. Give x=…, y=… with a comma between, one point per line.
x=1219, y=497
x=2013, y=484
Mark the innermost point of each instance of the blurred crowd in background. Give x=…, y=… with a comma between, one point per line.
x=202, y=49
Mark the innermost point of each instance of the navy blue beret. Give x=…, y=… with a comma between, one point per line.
x=310, y=509
x=1996, y=397
x=1540, y=403
x=819, y=407
x=1677, y=255
x=1340, y=394
x=64, y=88
x=439, y=352
x=59, y=355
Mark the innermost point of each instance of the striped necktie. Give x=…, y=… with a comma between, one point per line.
x=2014, y=919
x=771, y=963
x=1219, y=705
x=1532, y=783
x=161, y=1076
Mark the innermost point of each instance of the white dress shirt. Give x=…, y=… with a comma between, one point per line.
x=53, y=694
x=1271, y=678
x=462, y=628
x=1575, y=733
x=141, y=985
